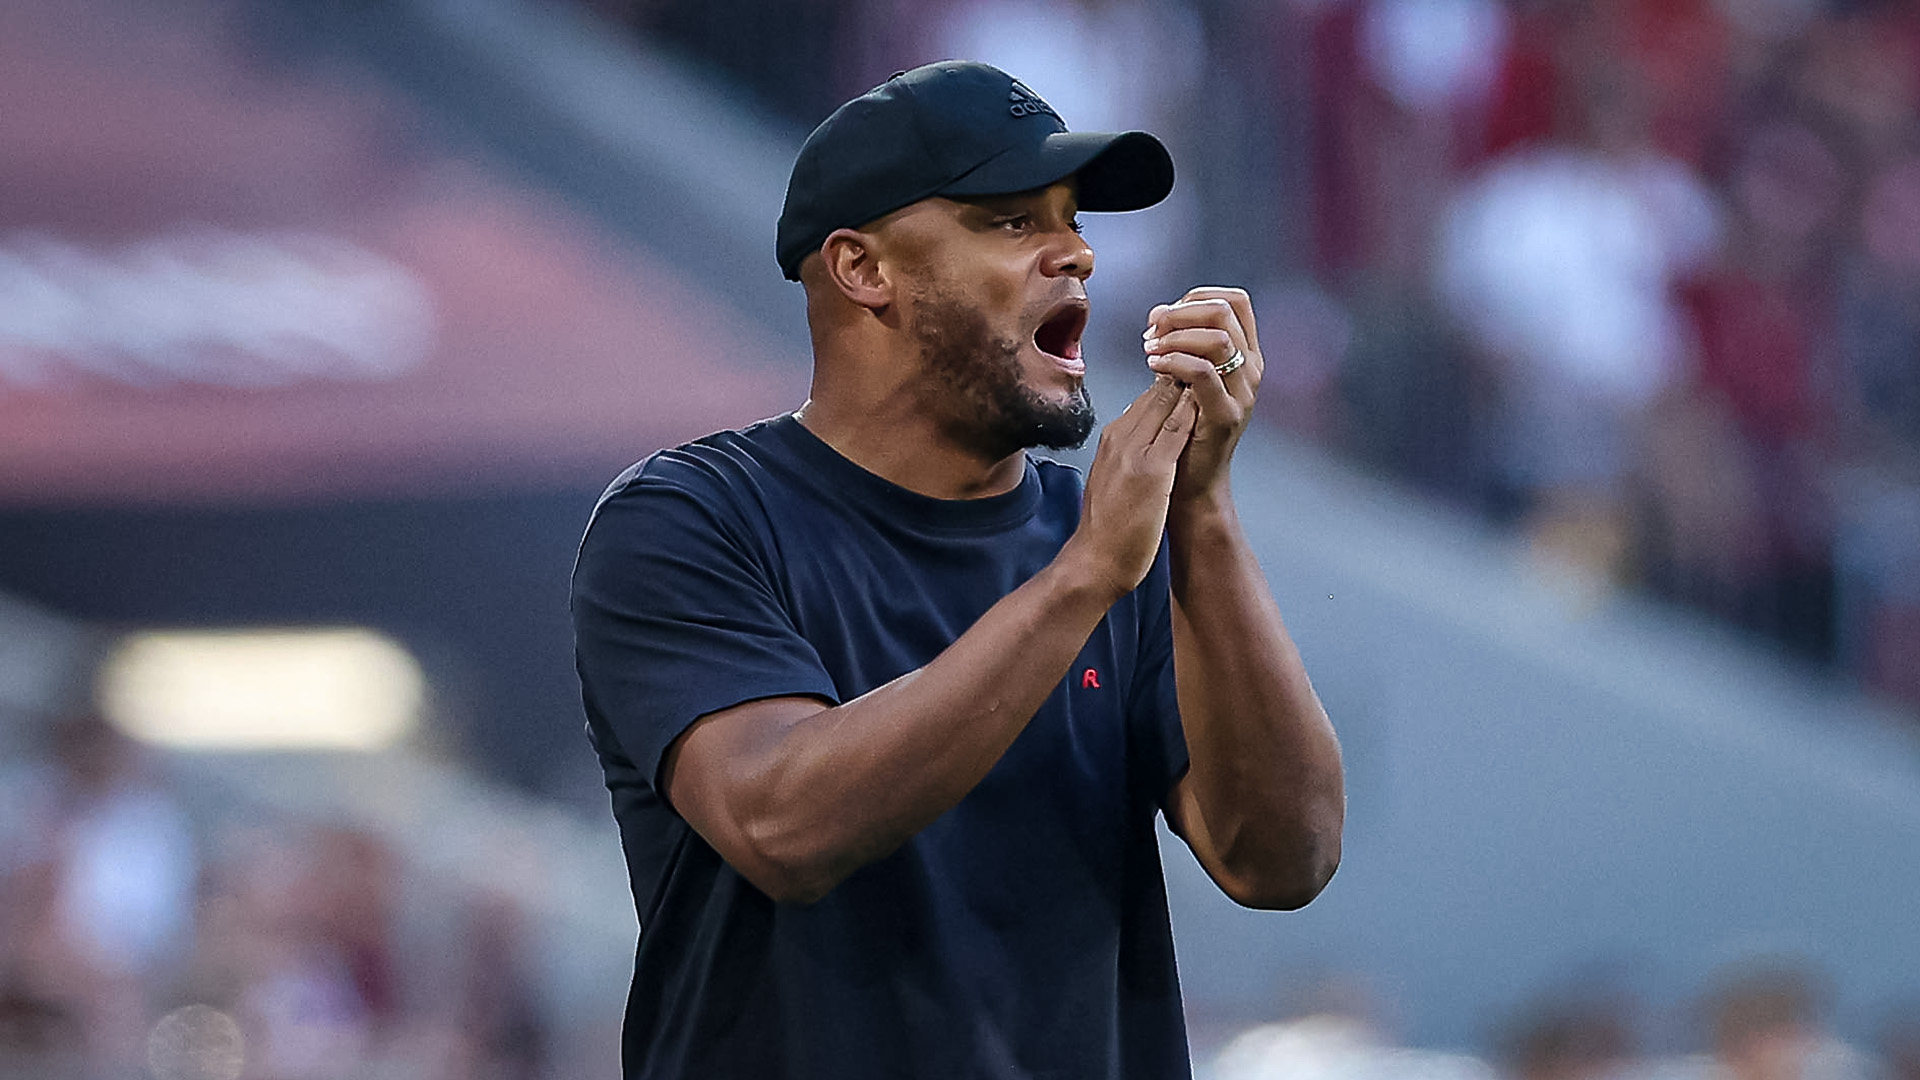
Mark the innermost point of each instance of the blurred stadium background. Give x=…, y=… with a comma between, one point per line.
x=1588, y=474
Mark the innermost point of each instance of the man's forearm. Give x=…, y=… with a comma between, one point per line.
x=1263, y=802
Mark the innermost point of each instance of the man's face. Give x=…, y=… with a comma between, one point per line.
x=996, y=300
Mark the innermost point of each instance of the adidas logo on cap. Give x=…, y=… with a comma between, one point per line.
x=1027, y=103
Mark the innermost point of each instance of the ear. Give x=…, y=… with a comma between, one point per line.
x=851, y=261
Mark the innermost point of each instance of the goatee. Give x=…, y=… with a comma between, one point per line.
x=991, y=406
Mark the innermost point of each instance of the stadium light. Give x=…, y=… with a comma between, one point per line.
x=282, y=689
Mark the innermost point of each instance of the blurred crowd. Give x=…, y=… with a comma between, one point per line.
x=1661, y=263
x=144, y=934
x=1640, y=278
x=1757, y=1019
x=148, y=933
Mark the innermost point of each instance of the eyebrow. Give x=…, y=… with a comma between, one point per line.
x=1016, y=202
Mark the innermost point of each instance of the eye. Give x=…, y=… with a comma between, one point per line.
x=1015, y=222
x=1076, y=226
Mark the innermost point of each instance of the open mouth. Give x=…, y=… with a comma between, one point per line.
x=1059, y=335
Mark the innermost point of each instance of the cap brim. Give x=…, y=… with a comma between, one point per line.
x=1129, y=170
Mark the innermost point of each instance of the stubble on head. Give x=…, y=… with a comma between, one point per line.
x=978, y=387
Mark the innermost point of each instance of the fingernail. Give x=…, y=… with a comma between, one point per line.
x=1150, y=344
x=1148, y=332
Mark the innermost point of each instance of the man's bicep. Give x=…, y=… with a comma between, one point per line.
x=1183, y=817
x=715, y=768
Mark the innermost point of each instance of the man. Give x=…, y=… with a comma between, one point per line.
x=886, y=706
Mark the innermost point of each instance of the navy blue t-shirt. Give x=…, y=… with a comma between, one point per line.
x=1024, y=933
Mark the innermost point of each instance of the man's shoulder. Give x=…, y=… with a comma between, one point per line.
x=709, y=465
x=713, y=484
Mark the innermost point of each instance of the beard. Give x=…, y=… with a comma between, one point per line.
x=982, y=390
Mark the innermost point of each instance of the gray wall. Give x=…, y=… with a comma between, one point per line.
x=1547, y=782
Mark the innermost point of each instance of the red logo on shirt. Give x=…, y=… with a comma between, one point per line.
x=1090, y=679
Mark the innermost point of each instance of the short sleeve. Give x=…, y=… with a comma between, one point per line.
x=1157, y=745
x=675, y=615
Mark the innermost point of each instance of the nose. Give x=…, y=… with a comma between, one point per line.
x=1069, y=256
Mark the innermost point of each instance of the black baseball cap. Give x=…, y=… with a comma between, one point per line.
x=953, y=128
